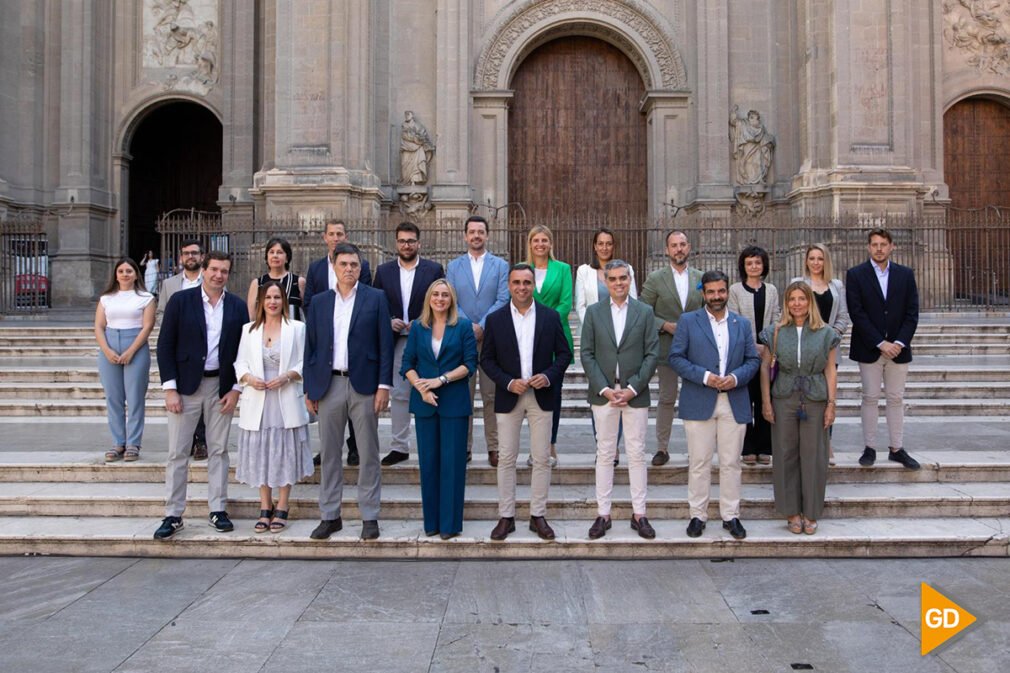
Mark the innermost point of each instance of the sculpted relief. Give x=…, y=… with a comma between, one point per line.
x=979, y=29
x=182, y=44
x=753, y=150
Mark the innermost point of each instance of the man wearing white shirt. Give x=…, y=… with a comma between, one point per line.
x=619, y=349
x=525, y=353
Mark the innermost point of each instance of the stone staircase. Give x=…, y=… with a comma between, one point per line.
x=70, y=502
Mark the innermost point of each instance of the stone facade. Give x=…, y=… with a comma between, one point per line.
x=311, y=95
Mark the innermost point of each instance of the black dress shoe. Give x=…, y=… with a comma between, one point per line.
x=370, y=530
x=506, y=525
x=900, y=456
x=199, y=450
x=326, y=528
x=661, y=458
x=694, y=527
x=448, y=536
x=168, y=527
x=735, y=528
x=394, y=457
x=539, y=525
x=868, y=458
x=599, y=528
x=220, y=522
x=317, y=460
x=352, y=456
x=644, y=528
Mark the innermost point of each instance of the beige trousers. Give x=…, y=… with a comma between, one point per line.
x=720, y=435
x=668, y=382
x=487, y=388
x=891, y=376
x=608, y=420
x=540, y=449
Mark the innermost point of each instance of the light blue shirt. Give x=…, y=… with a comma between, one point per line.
x=882, y=276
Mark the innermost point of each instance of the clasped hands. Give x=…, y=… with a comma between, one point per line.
x=272, y=384
x=721, y=383
x=619, y=398
x=890, y=350
x=537, y=381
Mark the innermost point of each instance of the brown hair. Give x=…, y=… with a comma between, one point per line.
x=814, y=319
x=828, y=269
x=261, y=309
x=138, y=284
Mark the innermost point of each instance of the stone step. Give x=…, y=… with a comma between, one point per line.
x=575, y=469
x=665, y=502
x=404, y=539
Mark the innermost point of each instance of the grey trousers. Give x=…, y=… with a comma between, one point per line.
x=180, y=440
x=339, y=404
x=668, y=381
x=800, y=457
x=399, y=401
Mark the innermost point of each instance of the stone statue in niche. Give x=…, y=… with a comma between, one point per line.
x=753, y=152
x=416, y=150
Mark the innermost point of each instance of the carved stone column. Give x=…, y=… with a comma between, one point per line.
x=489, y=146
x=671, y=154
x=237, y=84
x=451, y=185
x=713, y=182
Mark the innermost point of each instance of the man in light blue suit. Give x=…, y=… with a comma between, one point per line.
x=481, y=283
x=714, y=354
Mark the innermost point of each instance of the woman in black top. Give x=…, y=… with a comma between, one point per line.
x=278, y=259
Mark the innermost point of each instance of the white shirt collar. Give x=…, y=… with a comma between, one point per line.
x=712, y=318
x=516, y=311
x=417, y=260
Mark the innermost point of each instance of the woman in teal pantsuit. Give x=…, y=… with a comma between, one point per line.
x=439, y=358
x=554, y=289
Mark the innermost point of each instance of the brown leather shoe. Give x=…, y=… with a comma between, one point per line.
x=539, y=525
x=661, y=458
x=492, y=458
x=599, y=528
x=506, y=525
x=644, y=528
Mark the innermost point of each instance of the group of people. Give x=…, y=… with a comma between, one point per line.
x=756, y=378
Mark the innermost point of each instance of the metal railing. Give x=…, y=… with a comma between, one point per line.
x=25, y=286
x=962, y=263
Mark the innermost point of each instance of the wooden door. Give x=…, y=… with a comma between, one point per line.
x=577, y=144
x=976, y=144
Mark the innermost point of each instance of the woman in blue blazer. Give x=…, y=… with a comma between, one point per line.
x=440, y=357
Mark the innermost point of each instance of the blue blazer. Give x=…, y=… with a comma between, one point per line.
x=476, y=305
x=875, y=319
x=369, y=343
x=387, y=278
x=499, y=355
x=317, y=280
x=694, y=352
x=459, y=347
x=182, y=342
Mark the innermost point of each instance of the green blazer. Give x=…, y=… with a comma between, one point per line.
x=660, y=292
x=556, y=292
x=637, y=353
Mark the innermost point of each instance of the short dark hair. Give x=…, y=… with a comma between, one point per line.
x=192, y=241
x=345, y=249
x=285, y=246
x=334, y=222
x=714, y=277
x=752, y=251
x=475, y=218
x=219, y=255
x=408, y=226
x=666, y=241
x=879, y=231
x=522, y=266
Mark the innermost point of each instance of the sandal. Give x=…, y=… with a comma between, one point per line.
x=263, y=526
x=114, y=454
x=131, y=454
x=279, y=521
x=764, y=459
x=809, y=527
x=750, y=459
x=795, y=526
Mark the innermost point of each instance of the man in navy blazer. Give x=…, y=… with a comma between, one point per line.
x=197, y=346
x=321, y=278
x=410, y=272
x=525, y=353
x=348, y=372
x=884, y=307
x=714, y=354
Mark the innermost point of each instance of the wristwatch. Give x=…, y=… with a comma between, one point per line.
x=444, y=379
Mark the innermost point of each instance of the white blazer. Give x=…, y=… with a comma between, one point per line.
x=587, y=292
x=250, y=361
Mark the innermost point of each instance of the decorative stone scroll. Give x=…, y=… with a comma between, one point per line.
x=753, y=152
x=182, y=44
x=980, y=29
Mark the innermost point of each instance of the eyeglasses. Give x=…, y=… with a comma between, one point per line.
x=404, y=241
x=185, y=253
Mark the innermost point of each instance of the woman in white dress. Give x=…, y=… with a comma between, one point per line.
x=152, y=266
x=273, y=439
x=123, y=322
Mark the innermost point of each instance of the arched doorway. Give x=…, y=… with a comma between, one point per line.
x=976, y=144
x=176, y=163
x=577, y=150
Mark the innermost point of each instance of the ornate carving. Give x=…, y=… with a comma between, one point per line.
x=416, y=150
x=182, y=44
x=980, y=29
x=638, y=17
x=414, y=200
x=753, y=151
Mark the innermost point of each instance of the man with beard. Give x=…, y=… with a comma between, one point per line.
x=671, y=292
x=405, y=280
x=714, y=352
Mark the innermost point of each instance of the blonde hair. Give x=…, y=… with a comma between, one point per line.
x=828, y=269
x=538, y=229
x=814, y=319
x=427, y=315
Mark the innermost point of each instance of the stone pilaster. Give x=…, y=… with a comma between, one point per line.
x=670, y=156
x=489, y=147
x=450, y=189
x=713, y=103
x=238, y=106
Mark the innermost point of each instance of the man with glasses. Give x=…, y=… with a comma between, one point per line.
x=405, y=280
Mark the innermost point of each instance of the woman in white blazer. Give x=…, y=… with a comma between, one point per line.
x=590, y=285
x=273, y=440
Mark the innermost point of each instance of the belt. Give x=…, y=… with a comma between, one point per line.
x=211, y=373
x=341, y=372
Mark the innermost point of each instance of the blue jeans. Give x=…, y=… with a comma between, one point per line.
x=125, y=387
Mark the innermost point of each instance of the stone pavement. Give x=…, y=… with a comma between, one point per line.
x=746, y=616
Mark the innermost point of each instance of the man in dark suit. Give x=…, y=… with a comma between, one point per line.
x=525, y=353
x=884, y=307
x=321, y=278
x=197, y=345
x=405, y=281
x=348, y=379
